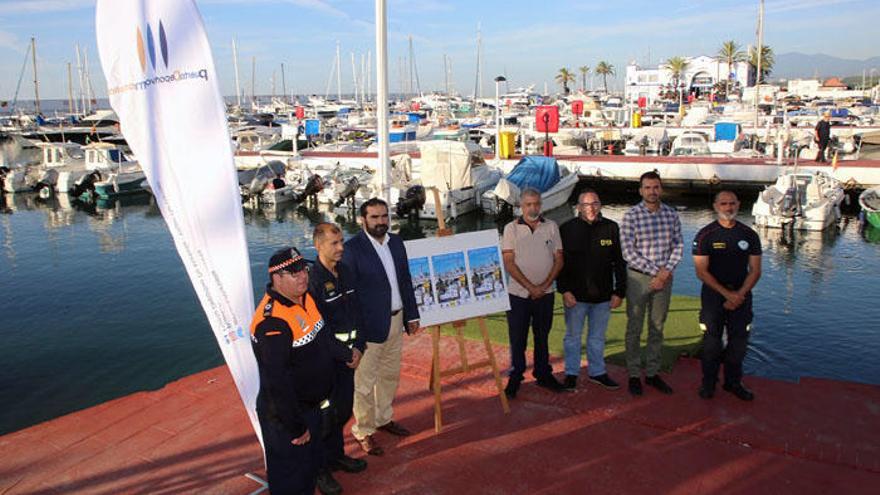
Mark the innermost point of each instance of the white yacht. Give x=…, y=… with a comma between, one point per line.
x=800, y=200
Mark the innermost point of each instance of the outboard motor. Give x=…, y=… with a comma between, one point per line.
x=351, y=187
x=314, y=185
x=790, y=206
x=86, y=184
x=4, y=171
x=412, y=201
x=256, y=186
x=45, y=186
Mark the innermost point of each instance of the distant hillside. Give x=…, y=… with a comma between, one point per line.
x=800, y=65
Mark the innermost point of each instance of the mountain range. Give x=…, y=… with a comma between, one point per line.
x=800, y=65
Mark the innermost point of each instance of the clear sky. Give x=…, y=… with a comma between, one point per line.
x=527, y=40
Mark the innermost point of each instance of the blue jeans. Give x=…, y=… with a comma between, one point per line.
x=597, y=315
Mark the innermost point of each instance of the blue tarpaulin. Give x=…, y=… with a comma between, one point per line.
x=726, y=131
x=536, y=172
x=313, y=127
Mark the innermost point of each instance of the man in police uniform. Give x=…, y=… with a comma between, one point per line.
x=330, y=283
x=727, y=258
x=297, y=358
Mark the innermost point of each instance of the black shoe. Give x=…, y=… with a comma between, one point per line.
x=635, y=386
x=511, y=389
x=707, y=392
x=605, y=381
x=327, y=484
x=571, y=382
x=658, y=383
x=740, y=391
x=348, y=464
x=395, y=428
x=551, y=384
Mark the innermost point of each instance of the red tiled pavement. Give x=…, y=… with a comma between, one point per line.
x=193, y=436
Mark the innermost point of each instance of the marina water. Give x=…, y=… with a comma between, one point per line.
x=96, y=303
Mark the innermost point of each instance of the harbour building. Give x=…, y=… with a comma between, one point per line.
x=699, y=77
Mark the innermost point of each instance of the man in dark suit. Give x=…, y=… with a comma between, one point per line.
x=386, y=308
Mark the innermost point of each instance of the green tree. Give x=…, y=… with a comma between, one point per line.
x=604, y=69
x=677, y=66
x=767, y=61
x=585, y=70
x=730, y=53
x=564, y=77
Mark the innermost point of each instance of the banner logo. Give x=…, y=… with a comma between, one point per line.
x=149, y=47
x=145, y=44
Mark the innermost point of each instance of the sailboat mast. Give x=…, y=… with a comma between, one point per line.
x=354, y=76
x=478, y=80
x=36, y=80
x=284, y=84
x=235, y=66
x=338, y=74
x=758, y=74
x=79, y=69
x=69, y=88
x=446, y=73
x=253, y=81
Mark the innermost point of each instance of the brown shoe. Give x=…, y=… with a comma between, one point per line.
x=368, y=443
x=395, y=429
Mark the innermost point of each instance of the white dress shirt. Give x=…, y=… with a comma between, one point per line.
x=384, y=252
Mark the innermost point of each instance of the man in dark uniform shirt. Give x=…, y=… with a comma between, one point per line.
x=823, y=135
x=727, y=258
x=296, y=356
x=330, y=283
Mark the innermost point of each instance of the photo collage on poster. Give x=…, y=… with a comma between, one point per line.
x=457, y=277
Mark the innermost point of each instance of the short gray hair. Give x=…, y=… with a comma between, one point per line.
x=529, y=191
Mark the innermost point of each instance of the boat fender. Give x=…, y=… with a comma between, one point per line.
x=714, y=180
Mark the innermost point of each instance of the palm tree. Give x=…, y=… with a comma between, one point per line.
x=564, y=77
x=730, y=53
x=604, y=69
x=585, y=69
x=767, y=62
x=677, y=66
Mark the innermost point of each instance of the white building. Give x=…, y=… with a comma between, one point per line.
x=700, y=75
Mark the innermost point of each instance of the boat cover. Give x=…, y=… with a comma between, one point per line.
x=447, y=164
x=536, y=172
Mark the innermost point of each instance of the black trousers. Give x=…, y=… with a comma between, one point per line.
x=341, y=403
x=820, y=155
x=716, y=319
x=537, y=313
x=292, y=469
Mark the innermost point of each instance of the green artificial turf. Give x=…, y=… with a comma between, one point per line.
x=682, y=333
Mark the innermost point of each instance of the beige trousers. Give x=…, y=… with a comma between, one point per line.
x=375, y=381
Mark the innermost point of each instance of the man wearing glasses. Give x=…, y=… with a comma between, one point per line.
x=297, y=358
x=592, y=284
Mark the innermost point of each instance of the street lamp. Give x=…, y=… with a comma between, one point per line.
x=498, y=81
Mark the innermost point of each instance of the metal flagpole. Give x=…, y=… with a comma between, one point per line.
x=382, y=99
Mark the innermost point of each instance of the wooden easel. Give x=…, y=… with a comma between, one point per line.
x=436, y=373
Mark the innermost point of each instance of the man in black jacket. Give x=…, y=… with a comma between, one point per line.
x=592, y=284
x=823, y=136
x=331, y=284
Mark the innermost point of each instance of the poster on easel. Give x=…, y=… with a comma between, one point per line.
x=458, y=277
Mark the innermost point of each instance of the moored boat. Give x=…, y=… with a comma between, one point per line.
x=800, y=200
x=541, y=173
x=869, y=200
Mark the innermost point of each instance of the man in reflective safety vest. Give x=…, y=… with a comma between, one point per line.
x=296, y=358
x=330, y=284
